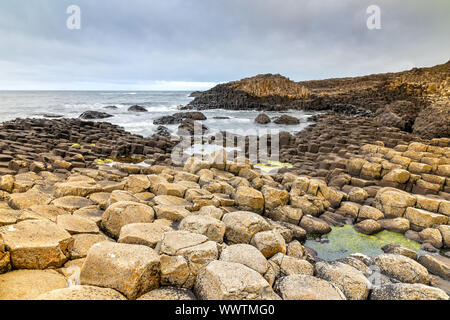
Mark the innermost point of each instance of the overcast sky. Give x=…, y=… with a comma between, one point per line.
x=193, y=44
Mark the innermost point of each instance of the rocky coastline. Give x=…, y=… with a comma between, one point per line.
x=89, y=211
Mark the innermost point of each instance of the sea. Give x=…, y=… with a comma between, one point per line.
x=71, y=104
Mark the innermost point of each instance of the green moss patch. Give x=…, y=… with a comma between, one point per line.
x=346, y=240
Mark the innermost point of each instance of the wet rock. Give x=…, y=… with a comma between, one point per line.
x=136, y=108
x=130, y=269
x=95, y=115
x=314, y=225
x=37, y=244
x=287, y=120
x=394, y=248
x=400, y=225
x=82, y=293
x=262, y=118
x=222, y=280
x=368, y=227
x=306, y=287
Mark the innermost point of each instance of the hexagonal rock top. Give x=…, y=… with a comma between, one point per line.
x=125, y=212
x=37, y=244
x=130, y=269
x=222, y=280
x=241, y=226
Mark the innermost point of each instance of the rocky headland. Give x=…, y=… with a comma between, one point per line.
x=415, y=101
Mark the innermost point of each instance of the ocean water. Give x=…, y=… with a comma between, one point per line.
x=70, y=104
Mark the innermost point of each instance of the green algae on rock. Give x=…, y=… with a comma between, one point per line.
x=345, y=240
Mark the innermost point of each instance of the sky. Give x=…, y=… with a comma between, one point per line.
x=195, y=44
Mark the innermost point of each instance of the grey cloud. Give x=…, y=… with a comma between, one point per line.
x=132, y=43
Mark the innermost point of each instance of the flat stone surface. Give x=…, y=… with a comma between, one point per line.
x=307, y=287
x=76, y=224
x=37, y=244
x=29, y=284
x=222, y=280
x=130, y=269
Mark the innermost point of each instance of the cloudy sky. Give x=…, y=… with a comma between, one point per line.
x=192, y=44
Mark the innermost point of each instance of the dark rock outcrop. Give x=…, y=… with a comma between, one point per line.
x=137, y=108
x=179, y=117
x=95, y=115
x=285, y=119
x=434, y=121
x=262, y=118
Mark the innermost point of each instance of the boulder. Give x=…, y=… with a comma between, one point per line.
x=424, y=219
x=400, y=225
x=407, y=291
x=351, y=281
x=173, y=213
x=262, y=118
x=314, y=225
x=368, y=227
x=287, y=120
x=37, y=244
x=147, y=234
x=269, y=242
x=168, y=293
x=29, y=284
x=247, y=255
x=368, y=212
x=125, y=212
x=287, y=214
x=397, y=175
x=394, y=248
x=130, y=269
x=402, y=268
x=432, y=236
x=436, y=264
x=393, y=202
x=89, y=115
x=212, y=228
x=82, y=293
x=287, y=265
x=307, y=287
x=222, y=280
x=241, y=226
x=249, y=199
x=274, y=198
x=136, y=108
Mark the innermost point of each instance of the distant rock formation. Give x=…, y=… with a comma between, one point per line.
x=394, y=99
